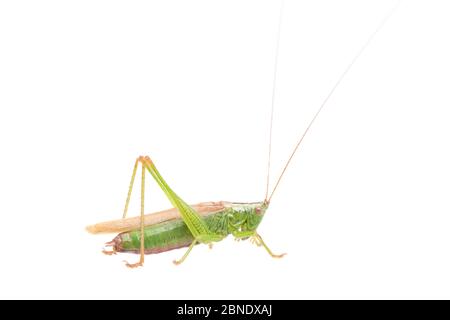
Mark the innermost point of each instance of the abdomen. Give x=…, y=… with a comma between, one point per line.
x=164, y=236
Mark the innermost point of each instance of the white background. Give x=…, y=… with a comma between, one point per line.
x=87, y=86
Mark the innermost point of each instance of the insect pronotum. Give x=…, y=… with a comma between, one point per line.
x=207, y=222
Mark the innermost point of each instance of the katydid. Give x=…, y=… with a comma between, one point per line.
x=207, y=222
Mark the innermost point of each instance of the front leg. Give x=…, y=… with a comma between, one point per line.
x=260, y=242
x=256, y=239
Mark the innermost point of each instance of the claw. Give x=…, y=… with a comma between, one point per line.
x=176, y=262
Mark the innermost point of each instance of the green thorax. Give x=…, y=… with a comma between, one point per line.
x=238, y=217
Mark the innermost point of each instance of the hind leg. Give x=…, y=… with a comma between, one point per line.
x=142, y=248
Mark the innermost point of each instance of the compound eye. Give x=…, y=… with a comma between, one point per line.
x=258, y=210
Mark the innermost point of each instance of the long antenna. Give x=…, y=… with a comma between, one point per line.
x=338, y=82
x=275, y=71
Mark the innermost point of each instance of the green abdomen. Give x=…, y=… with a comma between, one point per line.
x=167, y=235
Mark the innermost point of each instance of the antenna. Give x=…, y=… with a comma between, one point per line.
x=275, y=71
x=333, y=89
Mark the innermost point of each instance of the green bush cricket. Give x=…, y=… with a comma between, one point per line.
x=207, y=222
